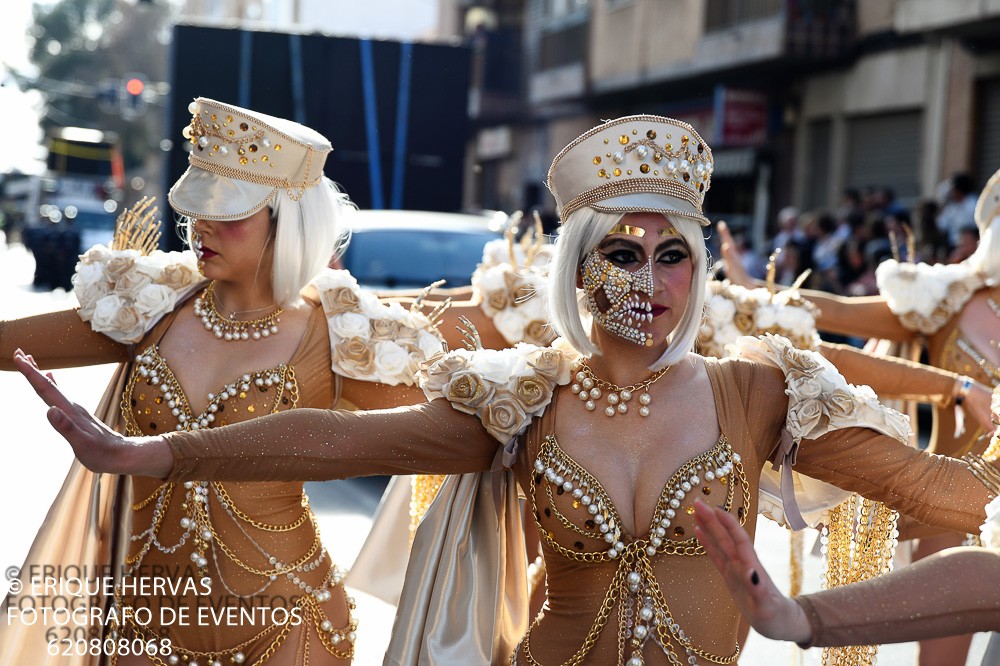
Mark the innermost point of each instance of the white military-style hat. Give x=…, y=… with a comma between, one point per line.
x=636, y=163
x=988, y=205
x=240, y=158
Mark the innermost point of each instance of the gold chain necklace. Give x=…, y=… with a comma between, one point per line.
x=590, y=388
x=228, y=328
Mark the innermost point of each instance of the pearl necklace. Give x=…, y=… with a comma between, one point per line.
x=228, y=328
x=589, y=388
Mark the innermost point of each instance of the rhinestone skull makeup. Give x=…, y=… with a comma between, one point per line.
x=624, y=291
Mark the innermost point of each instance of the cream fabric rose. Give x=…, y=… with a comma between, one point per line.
x=121, y=263
x=349, y=325
x=132, y=283
x=90, y=284
x=391, y=361
x=355, y=358
x=990, y=530
x=511, y=325
x=468, y=391
x=155, y=300
x=339, y=300
x=497, y=366
x=720, y=310
x=331, y=279
x=98, y=254
x=504, y=417
x=119, y=320
x=371, y=306
x=428, y=344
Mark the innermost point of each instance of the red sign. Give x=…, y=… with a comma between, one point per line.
x=740, y=117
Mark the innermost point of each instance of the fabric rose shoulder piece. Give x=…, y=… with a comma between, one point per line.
x=819, y=401
x=925, y=297
x=505, y=388
x=732, y=311
x=512, y=283
x=372, y=340
x=123, y=293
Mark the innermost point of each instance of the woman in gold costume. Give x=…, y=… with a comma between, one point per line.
x=644, y=428
x=264, y=221
x=954, y=311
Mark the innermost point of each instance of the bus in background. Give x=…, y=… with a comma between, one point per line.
x=78, y=200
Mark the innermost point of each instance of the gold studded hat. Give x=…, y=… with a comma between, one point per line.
x=636, y=163
x=988, y=205
x=240, y=158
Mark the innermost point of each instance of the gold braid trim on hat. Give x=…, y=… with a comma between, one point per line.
x=258, y=178
x=619, y=188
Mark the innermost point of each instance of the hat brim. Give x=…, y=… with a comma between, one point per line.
x=203, y=195
x=648, y=202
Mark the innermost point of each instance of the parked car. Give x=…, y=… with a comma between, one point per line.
x=401, y=249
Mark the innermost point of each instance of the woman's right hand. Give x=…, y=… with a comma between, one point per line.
x=98, y=447
x=729, y=547
x=736, y=272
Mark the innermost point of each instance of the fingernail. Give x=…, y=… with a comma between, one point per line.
x=754, y=578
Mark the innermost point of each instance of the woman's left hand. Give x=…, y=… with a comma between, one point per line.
x=97, y=446
x=729, y=547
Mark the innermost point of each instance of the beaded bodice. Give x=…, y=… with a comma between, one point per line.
x=578, y=521
x=242, y=541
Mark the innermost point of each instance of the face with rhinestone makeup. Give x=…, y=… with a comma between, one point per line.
x=638, y=278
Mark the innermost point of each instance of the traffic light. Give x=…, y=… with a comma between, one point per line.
x=133, y=100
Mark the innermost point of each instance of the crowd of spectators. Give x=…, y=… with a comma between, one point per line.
x=842, y=248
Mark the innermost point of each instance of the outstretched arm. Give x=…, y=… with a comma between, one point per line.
x=301, y=444
x=858, y=316
x=900, y=379
x=58, y=340
x=949, y=593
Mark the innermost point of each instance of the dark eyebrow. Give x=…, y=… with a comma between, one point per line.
x=620, y=240
x=667, y=243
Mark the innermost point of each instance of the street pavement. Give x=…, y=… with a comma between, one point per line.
x=36, y=461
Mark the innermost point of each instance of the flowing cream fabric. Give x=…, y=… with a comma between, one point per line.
x=464, y=600
x=83, y=531
x=380, y=567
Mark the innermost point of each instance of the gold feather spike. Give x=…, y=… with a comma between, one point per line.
x=800, y=280
x=538, y=239
x=894, y=243
x=138, y=228
x=509, y=234
x=424, y=293
x=435, y=316
x=772, y=271
x=471, y=334
x=911, y=244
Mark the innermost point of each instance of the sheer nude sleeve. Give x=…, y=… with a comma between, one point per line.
x=313, y=444
x=893, y=378
x=862, y=316
x=58, y=340
x=953, y=592
x=936, y=490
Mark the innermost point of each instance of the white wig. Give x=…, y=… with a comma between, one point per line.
x=308, y=233
x=581, y=233
x=986, y=258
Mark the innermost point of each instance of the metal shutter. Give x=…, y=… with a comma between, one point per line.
x=988, y=157
x=884, y=151
x=818, y=159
